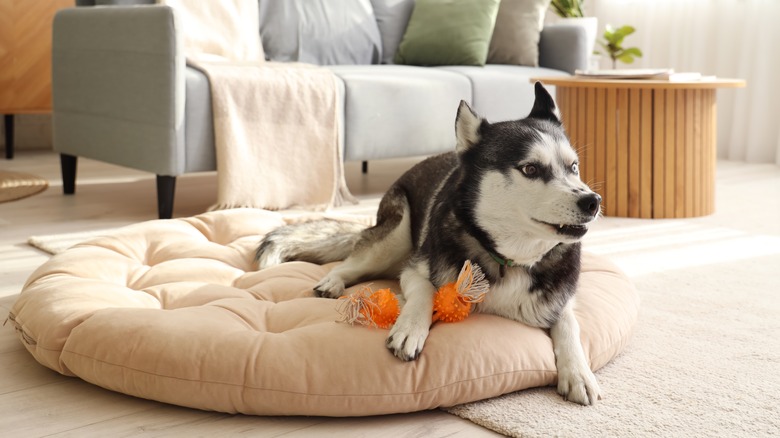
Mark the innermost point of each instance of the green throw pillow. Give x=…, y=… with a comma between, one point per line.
x=448, y=32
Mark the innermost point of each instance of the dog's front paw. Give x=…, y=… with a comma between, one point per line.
x=578, y=385
x=407, y=338
x=332, y=286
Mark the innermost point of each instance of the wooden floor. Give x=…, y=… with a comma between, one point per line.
x=37, y=402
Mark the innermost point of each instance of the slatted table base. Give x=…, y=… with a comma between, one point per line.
x=648, y=147
x=650, y=153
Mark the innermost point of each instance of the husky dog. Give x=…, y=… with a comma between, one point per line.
x=509, y=198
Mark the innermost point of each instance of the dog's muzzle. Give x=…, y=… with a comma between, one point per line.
x=589, y=206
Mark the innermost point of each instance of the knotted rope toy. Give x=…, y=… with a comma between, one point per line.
x=452, y=302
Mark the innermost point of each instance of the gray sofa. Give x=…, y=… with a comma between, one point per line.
x=123, y=94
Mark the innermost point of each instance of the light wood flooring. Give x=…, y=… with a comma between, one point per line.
x=37, y=402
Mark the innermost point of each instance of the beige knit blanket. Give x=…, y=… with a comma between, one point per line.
x=275, y=124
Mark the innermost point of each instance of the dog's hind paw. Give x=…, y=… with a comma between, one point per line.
x=332, y=286
x=579, y=386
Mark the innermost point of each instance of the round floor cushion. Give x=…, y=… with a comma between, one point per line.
x=174, y=311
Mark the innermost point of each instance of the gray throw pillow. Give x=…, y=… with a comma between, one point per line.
x=322, y=32
x=516, y=35
x=391, y=17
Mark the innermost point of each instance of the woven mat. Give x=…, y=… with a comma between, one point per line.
x=14, y=185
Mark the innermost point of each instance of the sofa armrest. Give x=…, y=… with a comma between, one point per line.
x=118, y=87
x=563, y=47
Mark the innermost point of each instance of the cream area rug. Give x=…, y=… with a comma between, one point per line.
x=15, y=185
x=705, y=358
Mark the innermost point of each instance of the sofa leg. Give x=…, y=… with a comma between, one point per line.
x=166, y=187
x=365, y=167
x=68, y=166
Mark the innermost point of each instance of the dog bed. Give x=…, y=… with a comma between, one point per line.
x=174, y=311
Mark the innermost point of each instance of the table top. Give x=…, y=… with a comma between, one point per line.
x=575, y=81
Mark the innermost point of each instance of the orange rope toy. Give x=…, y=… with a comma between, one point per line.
x=452, y=302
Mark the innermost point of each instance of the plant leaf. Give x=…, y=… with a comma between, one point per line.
x=568, y=8
x=612, y=42
x=634, y=51
x=617, y=39
x=558, y=9
x=626, y=30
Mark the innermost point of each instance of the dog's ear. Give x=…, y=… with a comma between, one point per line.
x=544, y=105
x=467, y=127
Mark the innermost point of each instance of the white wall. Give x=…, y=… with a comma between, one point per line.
x=726, y=38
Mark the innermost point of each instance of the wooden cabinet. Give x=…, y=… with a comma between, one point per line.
x=25, y=54
x=25, y=57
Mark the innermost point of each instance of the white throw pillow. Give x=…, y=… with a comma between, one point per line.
x=317, y=32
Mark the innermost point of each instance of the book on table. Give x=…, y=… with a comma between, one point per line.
x=657, y=74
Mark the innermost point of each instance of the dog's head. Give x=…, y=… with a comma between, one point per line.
x=526, y=175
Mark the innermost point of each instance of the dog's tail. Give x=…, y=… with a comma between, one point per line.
x=320, y=242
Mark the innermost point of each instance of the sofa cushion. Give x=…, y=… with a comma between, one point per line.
x=200, y=155
x=502, y=92
x=516, y=35
x=312, y=31
x=399, y=111
x=448, y=32
x=172, y=310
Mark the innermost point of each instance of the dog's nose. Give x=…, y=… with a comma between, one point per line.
x=590, y=203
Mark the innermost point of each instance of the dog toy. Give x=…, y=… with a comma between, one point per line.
x=451, y=303
x=366, y=307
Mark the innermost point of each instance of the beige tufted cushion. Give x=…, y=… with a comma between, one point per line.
x=173, y=311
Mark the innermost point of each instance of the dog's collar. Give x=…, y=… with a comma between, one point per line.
x=502, y=262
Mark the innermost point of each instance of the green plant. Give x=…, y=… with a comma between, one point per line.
x=568, y=8
x=613, y=44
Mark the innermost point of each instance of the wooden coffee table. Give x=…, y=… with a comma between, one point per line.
x=648, y=147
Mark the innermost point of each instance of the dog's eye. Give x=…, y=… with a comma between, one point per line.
x=529, y=169
x=575, y=168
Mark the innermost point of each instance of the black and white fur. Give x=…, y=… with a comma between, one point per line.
x=510, y=191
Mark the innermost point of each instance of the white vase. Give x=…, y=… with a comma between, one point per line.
x=591, y=26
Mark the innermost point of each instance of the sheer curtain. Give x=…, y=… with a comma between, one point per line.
x=726, y=38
